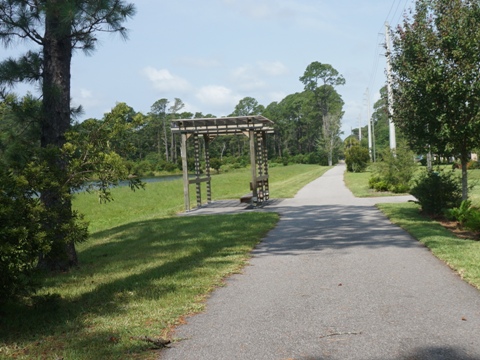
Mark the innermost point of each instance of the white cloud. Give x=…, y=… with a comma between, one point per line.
x=247, y=78
x=164, y=81
x=85, y=98
x=277, y=96
x=273, y=68
x=217, y=95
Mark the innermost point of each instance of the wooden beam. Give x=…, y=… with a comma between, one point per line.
x=199, y=180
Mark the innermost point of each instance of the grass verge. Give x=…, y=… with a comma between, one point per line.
x=358, y=185
x=142, y=270
x=461, y=255
x=138, y=279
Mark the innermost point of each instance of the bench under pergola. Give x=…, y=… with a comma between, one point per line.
x=255, y=127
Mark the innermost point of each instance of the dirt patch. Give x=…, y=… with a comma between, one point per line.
x=456, y=228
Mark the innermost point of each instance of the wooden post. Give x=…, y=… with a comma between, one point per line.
x=186, y=192
x=197, y=169
x=207, y=167
x=265, y=165
x=253, y=164
x=260, y=187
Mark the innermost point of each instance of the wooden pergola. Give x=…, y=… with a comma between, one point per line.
x=255, y=127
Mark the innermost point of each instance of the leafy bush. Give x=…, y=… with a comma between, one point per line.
x=394, y=171
x=357, y=158
x=437, y=191
x=216, y=164
x=461, y=213
x=21, y=235
x=472, y=221
x=466, y=214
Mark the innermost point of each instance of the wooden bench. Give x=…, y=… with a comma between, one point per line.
x=247, y=198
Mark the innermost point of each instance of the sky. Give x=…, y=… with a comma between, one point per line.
x=213, y=53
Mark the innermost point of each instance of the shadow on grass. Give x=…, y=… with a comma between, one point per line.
x=148, y=260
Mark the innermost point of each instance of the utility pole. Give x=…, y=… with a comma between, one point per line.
x=393, y=141
x=369, y=124
x=360, y=128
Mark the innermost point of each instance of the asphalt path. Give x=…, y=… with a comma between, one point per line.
x=335, y=280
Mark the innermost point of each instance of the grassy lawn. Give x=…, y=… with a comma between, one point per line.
x=358, y=185
x=142, y=271
x=461, y=255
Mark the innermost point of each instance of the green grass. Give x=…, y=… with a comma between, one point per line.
x=358, y=185
x=164, y=199
x=461, y=255
x=142, y=271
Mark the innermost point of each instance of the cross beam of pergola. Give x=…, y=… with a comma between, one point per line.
x=255, y=127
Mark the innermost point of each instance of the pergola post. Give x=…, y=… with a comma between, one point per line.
x=253, y=165
x=207, y=167
x=186, y=192
x=266, y=194
x=197, y=169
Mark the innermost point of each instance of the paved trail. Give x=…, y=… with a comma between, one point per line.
x=335, y=280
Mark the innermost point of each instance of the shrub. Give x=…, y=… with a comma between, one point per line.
x=394, y=171
x=357, y=158
x=21, y=235
x=461, y=213
x=437, y=191
x=472, y=222
x=216, y=164
x=142, y=167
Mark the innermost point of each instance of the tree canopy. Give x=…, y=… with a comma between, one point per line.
x=436, y=73
x=54, y=29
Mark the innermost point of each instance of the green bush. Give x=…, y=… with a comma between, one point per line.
x=472, y=221
x=216, y=164
x=394, y=171
x=437, y=191
x=21, y=235
x=461, y=213
x=357, y=159
x=466, y=214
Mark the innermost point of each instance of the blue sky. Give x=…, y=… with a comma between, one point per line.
x=212, y=53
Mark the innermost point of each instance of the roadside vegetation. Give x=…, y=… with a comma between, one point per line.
x=142, y=271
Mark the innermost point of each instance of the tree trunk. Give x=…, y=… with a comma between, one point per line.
x=55, y=122
x=464, y=160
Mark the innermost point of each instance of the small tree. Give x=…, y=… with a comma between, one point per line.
x=394, y=171
x=357, y=158
x=436, y=79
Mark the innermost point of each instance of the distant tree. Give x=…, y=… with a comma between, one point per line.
x=248, y=106
x=436, y=77
x=380, y=122
x=174, y=110
x=158, y=113
x=57, y=28
x=321, y=79
x=331, y=141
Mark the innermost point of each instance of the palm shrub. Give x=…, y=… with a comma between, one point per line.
x=357, y=158
x=394, y=171
x=466, y=214
x=437, y=191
